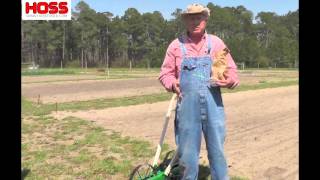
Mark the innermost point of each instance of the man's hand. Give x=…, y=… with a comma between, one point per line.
x=176, y=87
x=227, y=83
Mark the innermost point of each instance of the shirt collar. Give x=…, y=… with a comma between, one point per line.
x=204, y=36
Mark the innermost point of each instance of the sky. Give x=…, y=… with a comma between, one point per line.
x=166, y=7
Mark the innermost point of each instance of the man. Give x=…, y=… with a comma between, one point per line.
x=186, y=70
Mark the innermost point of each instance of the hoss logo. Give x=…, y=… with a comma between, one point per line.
x=46, y=9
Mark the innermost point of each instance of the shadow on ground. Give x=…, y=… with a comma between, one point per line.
x=24, y=173
x=204, y=172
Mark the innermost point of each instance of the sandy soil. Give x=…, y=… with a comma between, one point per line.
x=262, y=130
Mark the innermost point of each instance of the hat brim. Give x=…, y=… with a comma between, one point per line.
x=192, y=13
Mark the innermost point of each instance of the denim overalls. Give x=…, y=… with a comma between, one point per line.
x=199, y=109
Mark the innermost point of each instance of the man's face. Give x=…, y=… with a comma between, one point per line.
x=195, y=23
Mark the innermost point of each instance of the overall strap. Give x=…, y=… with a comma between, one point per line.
x=209, y=43
x=182, y=47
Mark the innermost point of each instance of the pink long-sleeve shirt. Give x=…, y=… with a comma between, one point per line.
x=170, y=68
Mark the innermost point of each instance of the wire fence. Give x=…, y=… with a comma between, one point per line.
x=288, y=65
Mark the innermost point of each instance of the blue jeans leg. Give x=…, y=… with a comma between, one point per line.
x=214, y=134
x=188, y=137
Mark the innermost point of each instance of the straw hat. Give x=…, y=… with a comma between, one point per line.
x=196, y=9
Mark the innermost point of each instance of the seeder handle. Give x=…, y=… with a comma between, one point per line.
x=164, y=130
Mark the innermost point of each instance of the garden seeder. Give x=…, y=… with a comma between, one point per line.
x=169, y=168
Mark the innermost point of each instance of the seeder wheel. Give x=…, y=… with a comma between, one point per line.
x=142, y=172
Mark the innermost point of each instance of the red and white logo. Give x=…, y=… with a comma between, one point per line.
x=46, y=9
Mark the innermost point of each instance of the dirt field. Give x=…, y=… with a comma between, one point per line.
x=90, y=89
x=73, y=88
x=262, y=128
x=48, y=78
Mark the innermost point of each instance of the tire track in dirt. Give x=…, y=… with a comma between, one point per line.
x=262, y=130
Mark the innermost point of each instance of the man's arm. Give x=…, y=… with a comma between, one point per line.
x=232, y=72
x=167, y=75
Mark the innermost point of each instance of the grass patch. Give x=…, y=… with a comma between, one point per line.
x=42, y=72
x=83, y=157
x=30, y=108
x=141, y=149
x=27, y=107
x=262, y=81
x=67, y=71
x=261, y=85
x=64, y=80
x=114, y=102
x=107, y=165
x=238, y=178
x=126, y=76
x=267, y=69
x=94, y=153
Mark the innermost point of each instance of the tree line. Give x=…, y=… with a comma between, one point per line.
x=100, y=39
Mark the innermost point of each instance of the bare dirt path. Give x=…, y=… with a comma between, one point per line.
x=48, y=78
x=262, y=130
x=90, y=89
